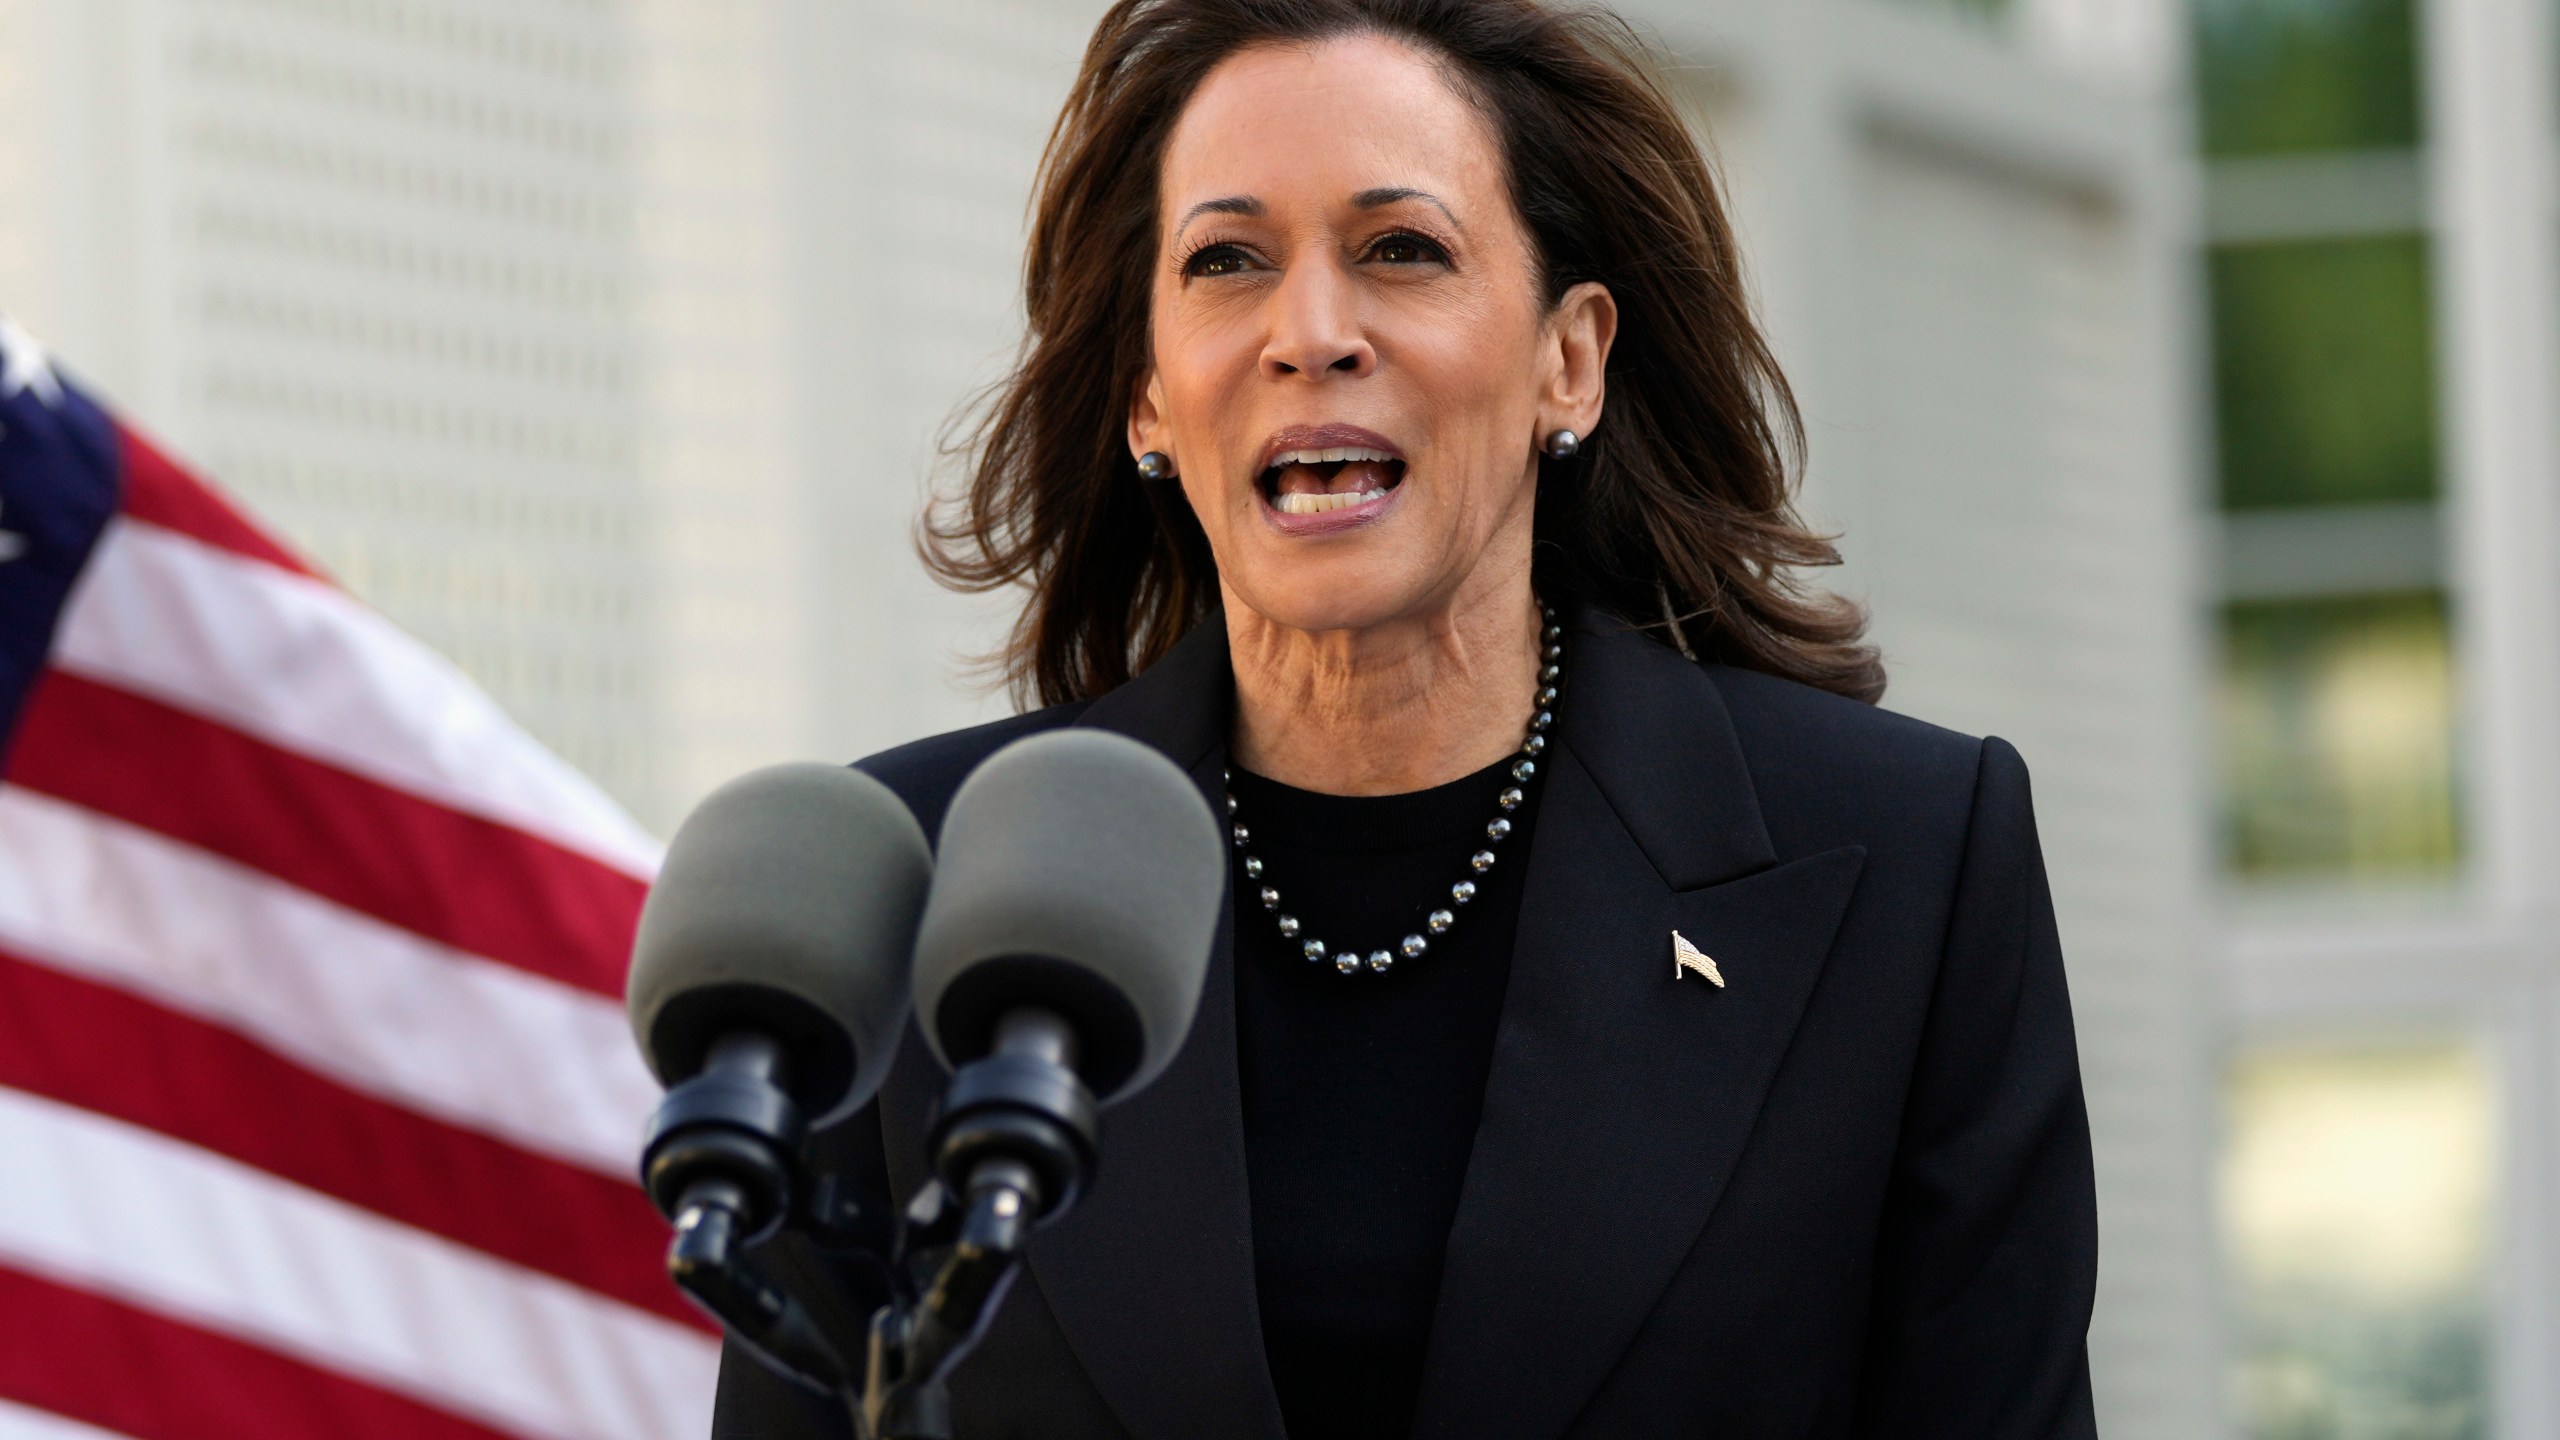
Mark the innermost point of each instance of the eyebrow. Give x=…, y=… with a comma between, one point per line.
x=1376, y=198
x=1386, y=195
x=1226, y=205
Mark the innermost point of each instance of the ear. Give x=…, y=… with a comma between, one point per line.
x=1147, y=428
x=1581, y=328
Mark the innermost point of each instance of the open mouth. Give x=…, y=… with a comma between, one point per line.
x=1321, y=479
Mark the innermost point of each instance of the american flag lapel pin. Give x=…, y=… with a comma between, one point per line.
x=1686, y=957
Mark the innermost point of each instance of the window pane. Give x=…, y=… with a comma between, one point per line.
x=2295, y=75
x=2338, y=737
x=2355, y=1200
x=2324, y=372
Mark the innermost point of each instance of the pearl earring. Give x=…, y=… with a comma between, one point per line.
x=1562, y=445
x=1155, y=465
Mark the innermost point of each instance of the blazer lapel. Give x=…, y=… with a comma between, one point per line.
x=1151, y=1276
x=1620, y=1097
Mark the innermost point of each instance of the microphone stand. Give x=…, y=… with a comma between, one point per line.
x=963, y=1261
x=1013, y=1142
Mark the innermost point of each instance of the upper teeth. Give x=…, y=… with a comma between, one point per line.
x=1327, y=457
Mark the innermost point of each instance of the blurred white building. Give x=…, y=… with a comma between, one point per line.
x=606, y=344
x=372, y=265
x=573, y=334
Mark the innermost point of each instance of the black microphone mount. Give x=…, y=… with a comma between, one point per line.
x=722, y=1161
x=1014, y=1143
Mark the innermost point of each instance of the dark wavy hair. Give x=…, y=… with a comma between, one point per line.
x=1678, y=514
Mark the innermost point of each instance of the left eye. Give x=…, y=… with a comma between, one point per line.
x=1407, y=250
x=1215, y=260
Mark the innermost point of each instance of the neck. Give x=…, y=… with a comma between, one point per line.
x=1416, y=702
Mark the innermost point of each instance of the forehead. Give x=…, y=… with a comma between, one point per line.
x=1320, y=122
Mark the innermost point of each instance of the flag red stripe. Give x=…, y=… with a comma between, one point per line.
x=159, y=490
x=125, y=1057
x=104, y=1363
x=459, y=879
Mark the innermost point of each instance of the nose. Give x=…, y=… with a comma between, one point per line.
x=1315, y=326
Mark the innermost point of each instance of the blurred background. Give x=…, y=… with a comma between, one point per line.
x=2180, y=376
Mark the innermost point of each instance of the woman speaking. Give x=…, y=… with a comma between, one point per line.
x=1621, y=1028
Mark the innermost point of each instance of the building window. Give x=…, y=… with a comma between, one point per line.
x=2337, y=720
x=2324, y=372
x=2339, y=651
x=2355, y=1196
x=2278, y=76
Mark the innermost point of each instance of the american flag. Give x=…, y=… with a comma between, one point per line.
x=317, y=1106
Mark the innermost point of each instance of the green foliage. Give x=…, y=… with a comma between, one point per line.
x=2296, y=75
x=2324, y=372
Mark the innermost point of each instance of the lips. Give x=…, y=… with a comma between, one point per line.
x=1328, y=473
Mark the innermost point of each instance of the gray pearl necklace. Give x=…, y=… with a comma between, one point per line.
x=1524, y=771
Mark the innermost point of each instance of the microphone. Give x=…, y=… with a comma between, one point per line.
x=1060, y=956
x=768, y=990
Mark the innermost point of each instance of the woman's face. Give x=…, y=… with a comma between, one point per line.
x=1353, y=363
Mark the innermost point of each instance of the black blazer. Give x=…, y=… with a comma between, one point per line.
x=1849, y=1194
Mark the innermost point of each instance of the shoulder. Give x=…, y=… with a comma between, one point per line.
x=924, y=773
x=1831, y=770
x=1785, y=723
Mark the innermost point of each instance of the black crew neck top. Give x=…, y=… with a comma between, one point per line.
x=1362, y=1091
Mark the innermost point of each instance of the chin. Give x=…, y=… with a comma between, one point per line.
x=1326, y=597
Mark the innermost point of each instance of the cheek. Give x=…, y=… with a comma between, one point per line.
x=1208, y=504
x=1200, y=348
x=1480, y=375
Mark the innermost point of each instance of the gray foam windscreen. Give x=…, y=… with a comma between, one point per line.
x=1079, y=871
x=788, y=905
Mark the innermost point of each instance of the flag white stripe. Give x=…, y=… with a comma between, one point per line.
x=127, y=1212
x=301, y=664
x=18, y=1422
x=376, y=1007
